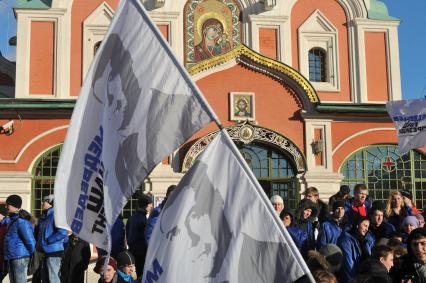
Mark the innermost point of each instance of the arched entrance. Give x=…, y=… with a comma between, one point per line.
x=274, y=171
x=274, y=160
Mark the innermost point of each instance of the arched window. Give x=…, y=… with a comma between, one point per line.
x=317, y=65
x=384, y=170
x=44, y=173
x=275, y=172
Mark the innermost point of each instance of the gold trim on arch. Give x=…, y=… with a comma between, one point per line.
x=258, y=58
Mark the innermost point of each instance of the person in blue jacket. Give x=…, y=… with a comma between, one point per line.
x=299, y=237
x=19, y=242
x=356, y=246
x=359, y=205
x=332, y=227
x=50, y=241
x=307, y=222
x=155, y=214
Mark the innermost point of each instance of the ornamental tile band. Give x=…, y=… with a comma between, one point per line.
x=242, y=51
x=247, y=133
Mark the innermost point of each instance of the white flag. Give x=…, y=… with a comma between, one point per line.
x=409, y=117
x=136, y=106
x=219, y=226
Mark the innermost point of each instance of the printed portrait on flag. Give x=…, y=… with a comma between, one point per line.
x=126, y=120
x=213, y=28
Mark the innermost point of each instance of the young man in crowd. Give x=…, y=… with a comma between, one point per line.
x=312, y=194
x=19, y=242
x=331, y=228
x=413, y=265
x=342, y=194
x=50, y=241
x=359, y=205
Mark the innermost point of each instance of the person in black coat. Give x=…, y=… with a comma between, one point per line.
x=379, y=264
x=77, y=257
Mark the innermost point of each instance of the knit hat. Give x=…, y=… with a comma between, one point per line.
x=344, y=189
x=14, y=200
x=49, y=198
x=3, y=210
x=410, y=220
x=338, y=203
x=406, y=193
x=333, y=254
x=378, y=205
x=125, y=258
x=101, y=262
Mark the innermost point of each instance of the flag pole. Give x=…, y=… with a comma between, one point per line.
x=178, y=64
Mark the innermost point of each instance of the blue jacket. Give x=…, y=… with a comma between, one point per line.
x=351, y=214
x=19, y=241
x=151, y=222
x=50, y=238
x=118, y=234
x=298, y=235
x=329, y=233
x=352, y=254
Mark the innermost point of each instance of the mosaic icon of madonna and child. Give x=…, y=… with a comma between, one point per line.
x=214, y=40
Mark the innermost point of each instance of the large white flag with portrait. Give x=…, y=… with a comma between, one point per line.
x=219, y=226
x=409, y=117
x=136, y=106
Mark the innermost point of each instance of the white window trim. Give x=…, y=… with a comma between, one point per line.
x=95, y=26
x=317, y=31
x=283, y=27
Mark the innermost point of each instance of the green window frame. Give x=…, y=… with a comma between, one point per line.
x=383, y=170
x=43, y=182
x=274, y=170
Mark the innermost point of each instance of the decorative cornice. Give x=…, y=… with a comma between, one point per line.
x=242, y=51
x=247, y=133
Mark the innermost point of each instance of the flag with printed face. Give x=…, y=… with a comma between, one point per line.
x=409, y=117
x=136, y=106
x=219, y=226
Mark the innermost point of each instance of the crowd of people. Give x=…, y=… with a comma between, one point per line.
x=348, y=239
x=356, y=239
x=30, y=246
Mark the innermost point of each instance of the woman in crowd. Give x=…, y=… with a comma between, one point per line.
x=356, y=246
x=396, y=209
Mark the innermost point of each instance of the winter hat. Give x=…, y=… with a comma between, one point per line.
x=333, y=254
x=378, y=205
x=144, y=201
x=410, y=220
x=49, y=198
x=406, y=193
x=101, y=263
x=125, y=258
x=14, y=200
x=344, y=189
x=3, y=210
x=338, y=203
x=419, y=217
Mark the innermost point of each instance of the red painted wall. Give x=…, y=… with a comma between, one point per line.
x=25, y=133
x=342, y=130
x=376, y=65
x=42, y=57
x=275, y=107
x=268, y=44
x=332, y=10
x=81, y=9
